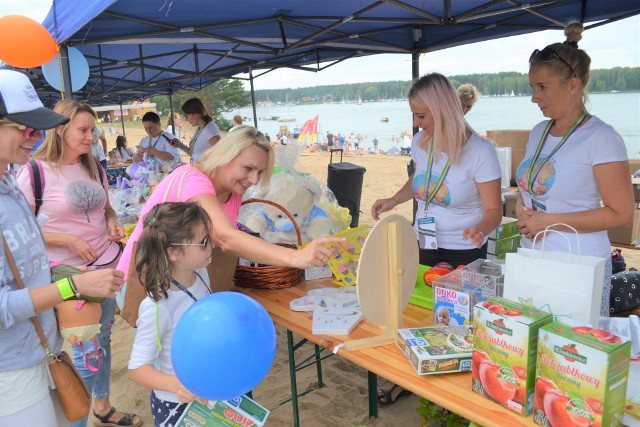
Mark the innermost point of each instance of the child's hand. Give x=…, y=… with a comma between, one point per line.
x=184, y=395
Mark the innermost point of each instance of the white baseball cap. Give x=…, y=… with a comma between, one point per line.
x=20, y=103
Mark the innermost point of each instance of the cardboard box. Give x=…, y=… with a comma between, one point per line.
x=635, y=183
x=510, y=204
x=437, y=349
x=581, y=376
x=501, y=247
x=634, y=166
x=504, y=352
x=455, y=294
x=516, y=139
x=627, y=235
x=508, y=227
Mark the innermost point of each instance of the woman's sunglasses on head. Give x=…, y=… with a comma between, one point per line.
x=548, y=54
x=27, y=131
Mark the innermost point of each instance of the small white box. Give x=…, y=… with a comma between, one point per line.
x=313, y=273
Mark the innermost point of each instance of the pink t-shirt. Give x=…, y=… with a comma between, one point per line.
x=194, y=184
x=73, y=203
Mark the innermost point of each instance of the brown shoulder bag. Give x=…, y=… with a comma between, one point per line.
x=74, y=396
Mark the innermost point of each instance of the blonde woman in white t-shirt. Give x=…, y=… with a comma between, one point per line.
x=456, y=181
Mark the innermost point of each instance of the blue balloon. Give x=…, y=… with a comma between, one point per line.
x=223, y=346
x=78, y=66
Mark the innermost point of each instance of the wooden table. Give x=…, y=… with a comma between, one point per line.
x=451, y=391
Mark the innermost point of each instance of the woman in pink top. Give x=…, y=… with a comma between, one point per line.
x=217, y=182
x=80, y=228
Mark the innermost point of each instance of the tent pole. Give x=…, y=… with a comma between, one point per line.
x=415, y=75
x=122, y=117
x=173, y=125
x=66, y=72
x=253, y=99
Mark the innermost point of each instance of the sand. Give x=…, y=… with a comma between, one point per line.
x=343, y=401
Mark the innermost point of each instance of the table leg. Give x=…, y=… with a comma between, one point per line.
x=372, y=380
x=292, y=375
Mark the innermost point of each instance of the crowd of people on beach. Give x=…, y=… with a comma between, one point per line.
x=574, y=172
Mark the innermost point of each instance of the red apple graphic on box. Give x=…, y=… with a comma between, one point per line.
x=601, y=334
x=596, y=408
x=477, y=358
x=581, y=330
x=570, y=348
x=521, y=391
x=498, y=388
x=614, y=339
x=499, y=322
x=543, y=385
x=513, y=312
x=558, y=409
x=497, y=309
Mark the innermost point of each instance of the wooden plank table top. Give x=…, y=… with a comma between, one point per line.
x=451, y=391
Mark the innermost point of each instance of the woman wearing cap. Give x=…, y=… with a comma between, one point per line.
x=24, y=384
x=206, y=133
x=80, y=228
x=575, y=169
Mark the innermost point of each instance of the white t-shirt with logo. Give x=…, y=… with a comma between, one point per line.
x=566, y=182
x=458, y=204
x=161, y=143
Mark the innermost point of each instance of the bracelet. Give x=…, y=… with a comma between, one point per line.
x=65, y=289
x=74, y=287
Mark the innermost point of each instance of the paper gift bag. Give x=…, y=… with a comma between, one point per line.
x=565, y=284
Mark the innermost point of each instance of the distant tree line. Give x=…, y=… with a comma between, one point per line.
x=622, y=79
x=222, y=96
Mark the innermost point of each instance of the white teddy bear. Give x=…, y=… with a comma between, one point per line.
x=294, y=194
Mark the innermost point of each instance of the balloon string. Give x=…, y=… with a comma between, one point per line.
x=60, y=71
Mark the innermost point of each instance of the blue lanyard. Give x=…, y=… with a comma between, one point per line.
x=185, y=290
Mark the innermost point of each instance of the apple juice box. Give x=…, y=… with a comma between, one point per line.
x=437, y=349
x=581, y=376
x=504, y=352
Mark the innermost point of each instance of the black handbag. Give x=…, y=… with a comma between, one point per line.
x=625, y=292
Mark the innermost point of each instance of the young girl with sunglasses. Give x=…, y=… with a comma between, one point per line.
x=175, y=250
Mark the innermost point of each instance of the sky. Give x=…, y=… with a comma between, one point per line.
x=611, y=45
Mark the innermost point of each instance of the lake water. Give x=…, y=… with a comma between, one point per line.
x=620, y=110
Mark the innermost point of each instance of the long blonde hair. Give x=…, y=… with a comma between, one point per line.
x=231, y=145
x=435, y=92
x=53, y=149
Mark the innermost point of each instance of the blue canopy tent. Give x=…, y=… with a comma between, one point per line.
x=138, y=48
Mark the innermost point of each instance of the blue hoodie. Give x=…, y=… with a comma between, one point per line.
x=19, y=343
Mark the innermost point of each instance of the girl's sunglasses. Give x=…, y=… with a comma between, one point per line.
x=203, y=245
x=28, y=132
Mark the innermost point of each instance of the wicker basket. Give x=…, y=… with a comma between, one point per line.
x=269, y=276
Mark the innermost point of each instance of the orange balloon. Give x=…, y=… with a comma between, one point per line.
x=25, y=42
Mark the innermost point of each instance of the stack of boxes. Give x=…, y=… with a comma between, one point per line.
x=628, y=235
x=504, y=239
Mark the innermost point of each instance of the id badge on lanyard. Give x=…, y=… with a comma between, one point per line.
x=427, y=233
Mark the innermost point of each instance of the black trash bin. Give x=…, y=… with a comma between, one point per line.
x=345, y=180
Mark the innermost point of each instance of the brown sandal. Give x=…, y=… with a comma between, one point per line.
x=127, y=420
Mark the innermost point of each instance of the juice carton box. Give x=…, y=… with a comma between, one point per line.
x=437, y=349
x=504, y=352
x=581, y=376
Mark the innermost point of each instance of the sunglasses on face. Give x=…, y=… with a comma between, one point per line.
x=548, y=54
x=203, y=245
x=27, y=131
